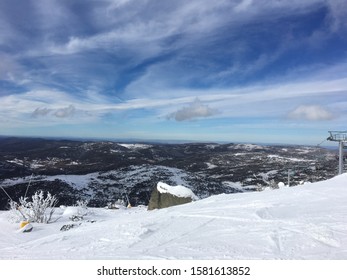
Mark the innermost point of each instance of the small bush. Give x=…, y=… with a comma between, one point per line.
x=82, y=208
x=39, y=210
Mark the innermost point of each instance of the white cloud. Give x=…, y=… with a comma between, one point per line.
x=195, y=110
x=65, y=112
x=311, y=113
x=40, y=112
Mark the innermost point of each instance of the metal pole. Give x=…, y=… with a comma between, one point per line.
x=6, y=193
x=28, y=185
x=340, y=157
x=17, y=206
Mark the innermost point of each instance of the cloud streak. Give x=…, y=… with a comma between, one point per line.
x=61, y=113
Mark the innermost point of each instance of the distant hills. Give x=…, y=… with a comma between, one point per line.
x=103, y=171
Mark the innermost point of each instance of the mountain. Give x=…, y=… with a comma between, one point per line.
x=105, y=171
x=302, y=222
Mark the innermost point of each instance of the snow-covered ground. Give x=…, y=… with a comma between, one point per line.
x=303, y=222
x=136, y=146
x=277, y=157
x=130, y=176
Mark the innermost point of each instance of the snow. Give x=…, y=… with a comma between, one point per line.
x=211, y=165
x=77, y=181
x=16, y=161
x=265, y=175
x=70, y=211
x=74, y=163
x=136, y=146
x=248, y=146
x=212, y=146
x=179, y=190
x=302, y=222
x=280, y=158
x=234, y=185
x=128, y=177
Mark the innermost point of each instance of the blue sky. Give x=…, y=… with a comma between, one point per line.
x=237, y=71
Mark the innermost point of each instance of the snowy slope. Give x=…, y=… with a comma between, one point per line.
x=303, y=222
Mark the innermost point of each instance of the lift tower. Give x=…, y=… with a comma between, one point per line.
x=341, y=137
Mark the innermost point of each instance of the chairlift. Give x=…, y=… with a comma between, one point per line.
x=341, y=137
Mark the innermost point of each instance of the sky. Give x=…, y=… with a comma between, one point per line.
x=224, y=70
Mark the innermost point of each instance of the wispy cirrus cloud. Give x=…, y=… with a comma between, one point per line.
x=64, y=112
x=154, y=33
x=91, y=61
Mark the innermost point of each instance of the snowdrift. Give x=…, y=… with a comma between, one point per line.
x=302, y=222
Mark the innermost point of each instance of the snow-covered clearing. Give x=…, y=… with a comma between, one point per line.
x=279, y=158
x=211, y=165
x=303, y=222
x=128, y=176
x=248, y=146
x=135, y=146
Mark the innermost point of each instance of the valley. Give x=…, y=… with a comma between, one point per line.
x=105, y=171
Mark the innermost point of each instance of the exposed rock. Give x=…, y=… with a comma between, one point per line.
x=164, y=196
x=76, y=218
x=68, y=227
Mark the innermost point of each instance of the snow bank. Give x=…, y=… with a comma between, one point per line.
x=179, y=191
x=70, y=211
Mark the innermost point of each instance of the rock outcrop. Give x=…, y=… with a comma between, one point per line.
x=164, y=196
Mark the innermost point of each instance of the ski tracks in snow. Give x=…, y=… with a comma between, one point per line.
x=290, y=236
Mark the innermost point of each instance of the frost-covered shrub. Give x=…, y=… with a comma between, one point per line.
x=40, y=209
x=82, y=208
x=14, y=215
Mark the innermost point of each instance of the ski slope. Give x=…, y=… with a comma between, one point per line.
x=302, y=222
